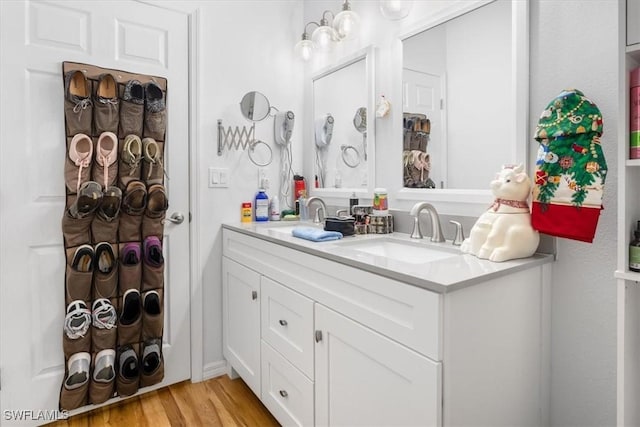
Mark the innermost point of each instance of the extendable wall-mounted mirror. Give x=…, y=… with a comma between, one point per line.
x=255, y=106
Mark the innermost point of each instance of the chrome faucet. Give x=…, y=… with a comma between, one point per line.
x=323, y=208
x=435, y=221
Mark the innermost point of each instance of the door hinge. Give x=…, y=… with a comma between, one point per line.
x=441, y=104
x=318, y=336
x=254, y=295
x=189, y=217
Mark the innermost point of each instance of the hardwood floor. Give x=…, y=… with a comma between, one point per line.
x=216, y=402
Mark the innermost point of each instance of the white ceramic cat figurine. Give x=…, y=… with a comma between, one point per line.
x=504, y=232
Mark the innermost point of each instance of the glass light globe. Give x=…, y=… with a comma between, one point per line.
x=303, y=49
x=346, y=24
x=323, y=37
x=395, y=9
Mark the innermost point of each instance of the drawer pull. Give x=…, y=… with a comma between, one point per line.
x=282, y=322
x=254, y=295
x=284, y=393
x=318, y=336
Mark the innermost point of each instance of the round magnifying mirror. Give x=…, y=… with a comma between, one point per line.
x=360, y=120
x=255, y=106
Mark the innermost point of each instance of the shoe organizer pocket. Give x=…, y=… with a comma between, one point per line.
x=155, y=125
x=129, y=230
x=152, y=277
x=130, y=276
x=106, y=117
x=78, y=285
x=131, y=119
x=76, y=397
x=106, y=285
x=128, y=334
x=103, y=230
x=100, y=392
x=152, y=321
x=151, y=366
x=78, y=119
x=76, y=231
x=78, y=345
x=152, y=226
x=128, y=376
x=103, y=339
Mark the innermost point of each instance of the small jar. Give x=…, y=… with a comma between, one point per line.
x=380, y=206
x=245, y=212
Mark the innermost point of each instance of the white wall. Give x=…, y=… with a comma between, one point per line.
x=243, y=45
x=573, y=44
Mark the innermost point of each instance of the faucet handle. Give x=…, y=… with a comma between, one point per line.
x=459, y=237
x=342, y=212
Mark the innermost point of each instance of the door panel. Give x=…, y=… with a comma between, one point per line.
x=363, y=378
x=422, y=93
x=35, y=38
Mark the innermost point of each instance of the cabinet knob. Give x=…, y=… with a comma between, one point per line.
x=318, y=336
x=254, y=294
x=284, y=393
x=283, y=322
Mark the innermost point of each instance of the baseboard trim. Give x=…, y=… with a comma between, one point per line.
x=214, y=369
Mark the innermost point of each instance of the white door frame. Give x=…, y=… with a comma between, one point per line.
x=195, y=282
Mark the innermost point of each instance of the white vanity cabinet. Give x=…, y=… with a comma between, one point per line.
x=326, y=343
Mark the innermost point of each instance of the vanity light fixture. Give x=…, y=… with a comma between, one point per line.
x=395, y=10
x=344, y=25
x=347, y=22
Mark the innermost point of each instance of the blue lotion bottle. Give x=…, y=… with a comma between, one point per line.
x=262, y=206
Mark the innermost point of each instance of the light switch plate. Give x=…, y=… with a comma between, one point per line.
x=218, y=177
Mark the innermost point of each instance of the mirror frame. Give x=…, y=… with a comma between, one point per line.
x=367, y=54
x=520, y=102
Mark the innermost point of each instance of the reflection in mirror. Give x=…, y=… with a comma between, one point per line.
x=255, y=106
x=458, y=100
x=360, y=123
x=340, y=145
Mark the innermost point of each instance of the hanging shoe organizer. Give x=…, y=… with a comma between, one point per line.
x=116, y=201
x=416, y=160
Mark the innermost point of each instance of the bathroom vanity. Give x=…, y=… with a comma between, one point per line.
x=385, y=330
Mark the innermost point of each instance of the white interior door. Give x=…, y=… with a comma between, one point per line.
x=422, y=93
x=36, y=37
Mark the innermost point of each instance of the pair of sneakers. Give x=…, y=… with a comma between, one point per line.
x=79, y=318
x=141, y=159
x=129, y=365
x=86, y=258
x=82, y=155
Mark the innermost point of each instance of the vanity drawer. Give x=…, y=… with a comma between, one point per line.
x=286, y=392
x=287, y=323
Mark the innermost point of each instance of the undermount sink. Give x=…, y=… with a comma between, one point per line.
x=400, y=250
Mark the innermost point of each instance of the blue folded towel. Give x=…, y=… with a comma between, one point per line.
x=315, y=234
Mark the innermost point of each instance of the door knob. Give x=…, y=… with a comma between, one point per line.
x=176, y=218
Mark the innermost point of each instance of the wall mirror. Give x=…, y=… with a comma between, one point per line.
x=465, y=97
x=343, y=140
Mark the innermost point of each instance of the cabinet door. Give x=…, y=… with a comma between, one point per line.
x=364, y=378
x=241, y=321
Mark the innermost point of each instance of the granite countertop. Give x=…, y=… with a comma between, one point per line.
x=447, y=271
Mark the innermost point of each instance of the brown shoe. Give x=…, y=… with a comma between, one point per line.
x=88, y=200
x=106, y=114
x=78, y=110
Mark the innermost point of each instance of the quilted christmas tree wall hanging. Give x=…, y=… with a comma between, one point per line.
x=570, y=168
